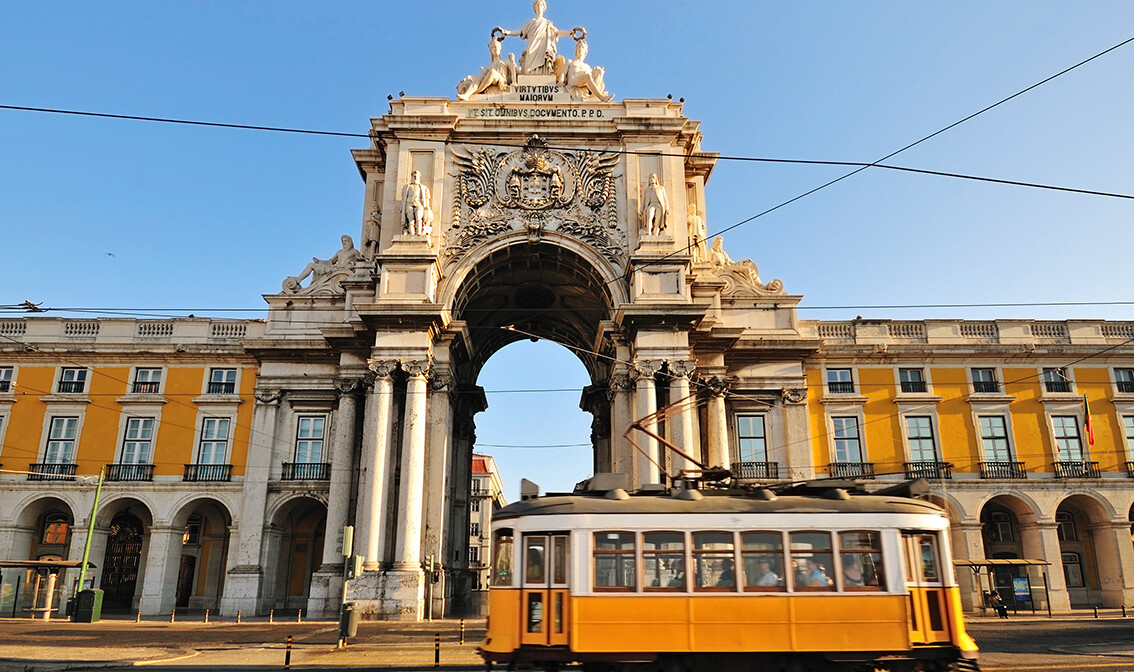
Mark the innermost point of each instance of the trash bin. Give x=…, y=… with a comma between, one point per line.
x=88, y=606
x=349, y=626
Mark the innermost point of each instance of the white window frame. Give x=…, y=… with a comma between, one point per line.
x=7, y=378
x=205, y=437
x=996, y=379
x=57, y=433
x=1053, y=372
x=1126, y=377
x=305, y=442
x=144, y=375
x=1127, y=425
x=935, y=436
x=858, y=438
x=827, y=380
x=761, y=438
x=1061, y=426
x=1005, y=419
x=141, y=438
x=214, y=370
x=900, y=371
x=81, y=375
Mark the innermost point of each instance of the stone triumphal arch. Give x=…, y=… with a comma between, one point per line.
x=532, y=206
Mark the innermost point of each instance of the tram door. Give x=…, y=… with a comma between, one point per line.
x=544, y=589
x=929, y=621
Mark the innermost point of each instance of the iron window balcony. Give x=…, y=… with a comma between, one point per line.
x=72, y=386
x=852, y=470
x=145, y=388
x=129, y=472
x=1057, y=385
x=208, y=472
x=914, y=386
x=930, y=470
x=306, y=471
x=840, y=387
x=51, y=471
x=1124, y=386
x=1078, y=469
x=1003, y=470
x=5, y=386
x=756, y=469
x=986, y=386
x=1130, y=469
x=222, y=388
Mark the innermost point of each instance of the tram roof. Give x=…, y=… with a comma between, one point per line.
x=710, y=502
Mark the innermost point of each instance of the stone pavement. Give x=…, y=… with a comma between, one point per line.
x=53, y=646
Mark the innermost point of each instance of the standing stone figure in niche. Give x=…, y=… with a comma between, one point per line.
x=541, y=35
x=698, y=234
x=417, y=215
x=583, y=81
x=325, y=271
x=497, y=76
x=371, y=234
x=655, y=207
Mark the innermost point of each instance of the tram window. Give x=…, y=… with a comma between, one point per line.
x=663, y=561
x=861, y=556
x=713, y=559
x=559, y=560
x=762, y=558
x=535, y=554
x=928, y=550
x=614, y=561
x=811, y=557
x=502, y=559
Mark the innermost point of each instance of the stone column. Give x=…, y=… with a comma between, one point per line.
x=438, y=454
x=642, y=372
x=797, y=435
x=1041, y=541
x=683, y=421
x=971, y=547
x=1114, y=555
x=621, y=452
x=718, y=422
x=163, y=561
x=368, y=529
x=243, y=589
x=326, y=581
x=411, y=501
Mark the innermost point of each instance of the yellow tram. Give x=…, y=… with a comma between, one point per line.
x=725, y=580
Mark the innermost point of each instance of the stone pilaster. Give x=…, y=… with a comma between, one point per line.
x=797, y=434
x=642, y=372
x=621, y=453
x=717, y=420
x=159, y=584
x=683, y=421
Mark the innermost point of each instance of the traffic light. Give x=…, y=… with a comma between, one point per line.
x=345, y=541
x=355, y=570
x=436, y=575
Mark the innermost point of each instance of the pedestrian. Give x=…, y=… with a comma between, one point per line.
x=998, y=604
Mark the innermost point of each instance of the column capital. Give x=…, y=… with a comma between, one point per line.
x=416, y=368
x=644, y=368
x=794, y=396
x=439, y=381
x=382, y=368
x=619, y=382
x=349, y=386
x=718, y=385
x=681, y=368
x=268, y=396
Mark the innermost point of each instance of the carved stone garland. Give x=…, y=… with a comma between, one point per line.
x=535, y=189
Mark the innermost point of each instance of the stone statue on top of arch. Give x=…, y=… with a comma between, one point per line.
x=417, y=211
x=542, y=37
x=326, y=274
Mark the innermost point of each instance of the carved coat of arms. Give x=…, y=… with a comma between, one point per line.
x=536, y=189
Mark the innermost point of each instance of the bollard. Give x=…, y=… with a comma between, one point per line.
x=1096, y=611
x=206, y=615
x=271, y=615
x=172, y=615
x=237, y=615
x=1124, y=611
x=437, y=650
x=299, y=616
x=287, y=655
x=462, y=632
x=138, y=616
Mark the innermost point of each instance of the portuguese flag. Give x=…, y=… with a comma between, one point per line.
x=1087, y=424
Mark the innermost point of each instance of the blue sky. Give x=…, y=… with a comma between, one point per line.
x=199, y=219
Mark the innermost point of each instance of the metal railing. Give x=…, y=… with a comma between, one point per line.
x=930, y=470
x=146, y=388
x=986, y=386
x=1003, y=470
x=208, y=472
x=222, y=388
x=71, y=386
x=1057, y=385
x=1126, y=386
x=1130, y=469
x=5, y=386
x=1077, y=470
x=306, y=471
x=913, y=386
x=840, y=387
x=852, y=470
x=129, y=472
x=756, y=469
x=51, y=471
